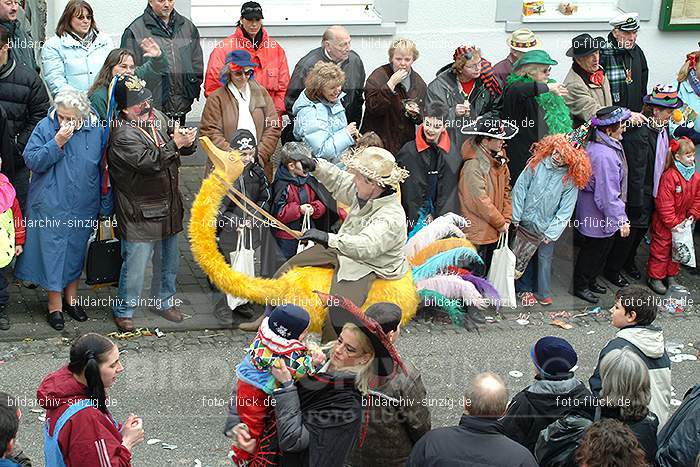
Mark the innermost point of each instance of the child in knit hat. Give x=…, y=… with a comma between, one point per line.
x=279, y=337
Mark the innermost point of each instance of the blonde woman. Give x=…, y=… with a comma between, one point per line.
x=319, y=115
x=394, y=97
x=319, y=417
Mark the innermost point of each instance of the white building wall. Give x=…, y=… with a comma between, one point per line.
x=437, y=27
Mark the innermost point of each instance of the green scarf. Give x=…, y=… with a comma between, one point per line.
x=556, y=113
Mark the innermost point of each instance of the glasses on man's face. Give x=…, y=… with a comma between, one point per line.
x=241, y=73
x=475, y=67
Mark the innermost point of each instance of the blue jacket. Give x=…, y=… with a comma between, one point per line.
x=8, y=463
x=321, y=126
x=692, y=100
x=542, y=201
x=67, y=64
x=63, y=203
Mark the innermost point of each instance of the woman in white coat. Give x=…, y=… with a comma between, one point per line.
x=73, y=57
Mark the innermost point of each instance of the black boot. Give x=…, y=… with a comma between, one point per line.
x=595, y=287
x=587, y=295
x=4, y=319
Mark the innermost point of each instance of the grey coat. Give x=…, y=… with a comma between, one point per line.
x=446, y=89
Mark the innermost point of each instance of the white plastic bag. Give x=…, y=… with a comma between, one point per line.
x=305, y=225
x=502, y=272
x=683, y=250
x=243, y=261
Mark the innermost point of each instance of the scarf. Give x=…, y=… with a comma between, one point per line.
x=686, y=172
x=556, y=113
x=694, y=82
x=256, y=41
x=86, y=41
x=612, y=58
x=660, y=161
x=593, y=78
x=489, y=79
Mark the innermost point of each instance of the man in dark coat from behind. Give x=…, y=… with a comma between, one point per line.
x=480, y=438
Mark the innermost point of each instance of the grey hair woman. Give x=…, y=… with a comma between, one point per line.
x=66, y=195
x=625, y=396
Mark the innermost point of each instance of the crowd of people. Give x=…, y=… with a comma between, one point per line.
x=97, y=131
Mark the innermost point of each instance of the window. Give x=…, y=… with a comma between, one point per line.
x=289, y=12
x=591, y=15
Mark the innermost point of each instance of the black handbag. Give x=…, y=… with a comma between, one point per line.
x=103, y=264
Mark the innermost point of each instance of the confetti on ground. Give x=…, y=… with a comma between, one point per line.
x=561, y=324
x=36, y=411
x=522, y=322
x=169, y=447
x=140, y=332
x=159, y=333
x=515, y=374
x=590, y=332
x=153, y=441
x=675, y=402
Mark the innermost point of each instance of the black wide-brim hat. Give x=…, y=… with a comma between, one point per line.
x=342, y=311
x=491, y=127
x=584, y=44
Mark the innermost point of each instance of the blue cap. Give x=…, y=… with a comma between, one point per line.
x=553, y=356
x=288, y=321
x=241, y=58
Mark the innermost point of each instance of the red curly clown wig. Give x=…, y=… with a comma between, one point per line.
x=575, y=158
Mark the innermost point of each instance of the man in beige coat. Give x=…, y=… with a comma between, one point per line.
x=589, y=89
x=369, y=244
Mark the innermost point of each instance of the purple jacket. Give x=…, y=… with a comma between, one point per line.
x=502, y=69
x=600, y=209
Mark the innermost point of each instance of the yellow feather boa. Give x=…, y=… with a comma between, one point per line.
x=295, y=286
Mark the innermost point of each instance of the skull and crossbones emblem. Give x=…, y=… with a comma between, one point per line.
x=245, y=144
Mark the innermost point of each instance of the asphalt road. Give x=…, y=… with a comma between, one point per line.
x=179, y=384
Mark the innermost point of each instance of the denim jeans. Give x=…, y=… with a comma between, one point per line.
x=135, y=256
x=538, y=273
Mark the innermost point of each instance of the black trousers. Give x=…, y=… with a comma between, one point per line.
x=591, y=260
x=624, y=251
x=486, y=253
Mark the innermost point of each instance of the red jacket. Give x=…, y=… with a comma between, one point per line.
x=290, y=213
x=272, y=74
x=677, y=199
x=18, y=220
x=89, y=438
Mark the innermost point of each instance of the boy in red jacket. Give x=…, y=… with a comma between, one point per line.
x=678, y=200
x=294, y=193
x=12, y=222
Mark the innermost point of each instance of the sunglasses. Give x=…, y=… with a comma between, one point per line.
x=239, y=73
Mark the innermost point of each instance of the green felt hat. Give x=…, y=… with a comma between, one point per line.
x=535, y=56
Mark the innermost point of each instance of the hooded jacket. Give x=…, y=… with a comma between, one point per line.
x=272, y=72
x=322, y=126
x=475, y=441
x=542, y=201
x=89, y=437
x=679, y=439
x=484, y=195
x=68, y=64
x=541, y=403
x=420, y=158
x=648, y=343
x=353, y=88
x=25, y=100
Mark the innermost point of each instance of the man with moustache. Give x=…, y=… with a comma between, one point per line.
x=434, y=164
x=143, y=167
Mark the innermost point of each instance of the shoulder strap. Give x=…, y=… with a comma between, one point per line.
x=69, y=412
